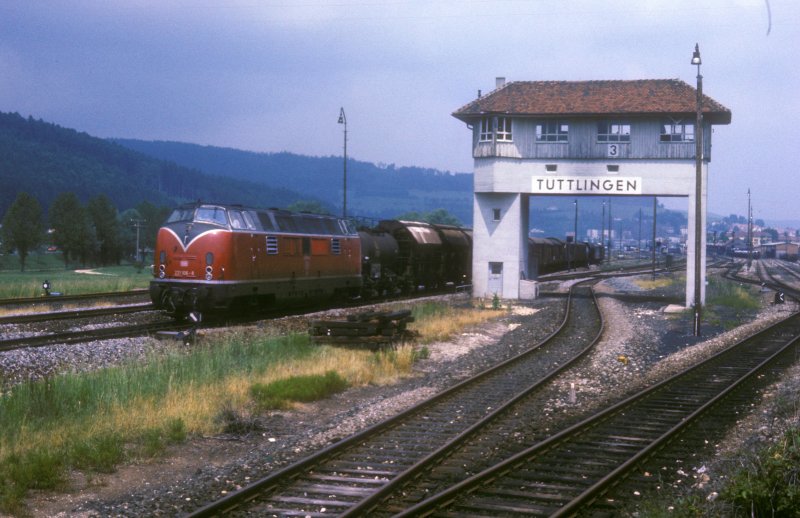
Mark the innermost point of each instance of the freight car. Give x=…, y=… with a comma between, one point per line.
x=407, y=256
x=549, y=254
x=212, y=257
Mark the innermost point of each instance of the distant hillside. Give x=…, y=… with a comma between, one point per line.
x=45, y=159
x=381, y=192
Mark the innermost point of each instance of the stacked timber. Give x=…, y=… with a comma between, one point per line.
x=370, y=328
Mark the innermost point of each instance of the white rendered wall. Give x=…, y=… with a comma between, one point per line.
x=504, y=241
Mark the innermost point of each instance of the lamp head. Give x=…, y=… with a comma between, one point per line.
x=342, y=118
x=696, y=55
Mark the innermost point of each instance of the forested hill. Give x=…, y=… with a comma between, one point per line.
x=45, y=159
x=372, y=191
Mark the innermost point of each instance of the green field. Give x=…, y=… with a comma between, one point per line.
x=50, y=267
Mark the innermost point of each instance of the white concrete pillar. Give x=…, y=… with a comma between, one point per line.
x=500, y=252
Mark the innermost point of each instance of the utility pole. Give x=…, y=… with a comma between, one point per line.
x=698, y=196
x=610, y=229
x=343, y=120
x=137, y=224
x=655, y=204
x=749, y=232
x=639, y=247
x=603, y=228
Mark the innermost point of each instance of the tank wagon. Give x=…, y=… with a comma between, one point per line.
x=212, y=257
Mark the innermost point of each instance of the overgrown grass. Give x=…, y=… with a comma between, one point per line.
x=653, y=284
x=765, y=482
x=95, y=421
x=16, y=284
x=770, y=484
x=732, y=295
x=436, y=321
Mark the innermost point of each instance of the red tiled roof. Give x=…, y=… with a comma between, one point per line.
x=591, y=98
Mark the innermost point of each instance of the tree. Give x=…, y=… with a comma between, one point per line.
x=69, y=224
x=22, y=226
x=153, y=218
x=103, y=216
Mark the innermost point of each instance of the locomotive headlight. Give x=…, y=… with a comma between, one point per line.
x=209, y=273
x=162, y=271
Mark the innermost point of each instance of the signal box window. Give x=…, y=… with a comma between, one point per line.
x=613, y=131
x=504, y=129
x=552, y=131
x=495, y=128
x=486, y=129
x=677, y=131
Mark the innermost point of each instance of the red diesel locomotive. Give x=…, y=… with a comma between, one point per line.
x=212, y=257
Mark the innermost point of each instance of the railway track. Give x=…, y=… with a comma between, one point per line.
x=30, y=318
x=569, y=472
x=356, y=474
x=62, y=299
x=87, y=335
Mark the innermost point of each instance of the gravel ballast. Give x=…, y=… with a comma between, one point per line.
x=631, y=354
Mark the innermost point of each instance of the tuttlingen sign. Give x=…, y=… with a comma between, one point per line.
x=586, y=185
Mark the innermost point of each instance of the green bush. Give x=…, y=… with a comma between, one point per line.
x=732, y=295
x=99, y=453
x=278, y=394
x=37, y=469
x=770, y=486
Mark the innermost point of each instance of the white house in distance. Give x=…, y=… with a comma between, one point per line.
x=603, y=138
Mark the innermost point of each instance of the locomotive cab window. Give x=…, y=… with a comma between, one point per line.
x=181, y=214
x=214, y=215
x=237, y=222
x=266, y=221
x=241, y=220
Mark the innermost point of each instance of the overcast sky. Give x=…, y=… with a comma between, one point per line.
x=271, y=75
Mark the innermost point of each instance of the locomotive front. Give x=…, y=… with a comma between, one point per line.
x=192, y=251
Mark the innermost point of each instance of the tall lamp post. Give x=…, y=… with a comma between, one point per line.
x=575, y=239
x=609, y=231
x=749, y=232
x=343, y=120
x=655, y=205
x=698, y=193
x=603, y=229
